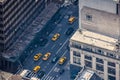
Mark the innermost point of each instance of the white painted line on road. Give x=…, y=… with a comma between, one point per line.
x=53, y=46
x=53, y=78
x=56, y=63
x=46, y=45
x=64, y=53
x=40, y=62
x=62, y=46
x=64, y=32
x=50, y=78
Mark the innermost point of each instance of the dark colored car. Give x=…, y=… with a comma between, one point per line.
x=61, y=71
x=40, y=41
x=43, y=41
x=69, y=31
x=41, y=74
x=55, y=59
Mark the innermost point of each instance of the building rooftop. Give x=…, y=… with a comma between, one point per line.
x=5, y=75
x=2, y=0
x=102, y=24
x=15, y=77
x=95, y=39
x=87, y=75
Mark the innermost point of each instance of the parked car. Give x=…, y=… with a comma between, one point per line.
x=69, y=31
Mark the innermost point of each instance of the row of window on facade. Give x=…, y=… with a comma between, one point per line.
x=88, y=57
x=100, y=67
x=94, y=50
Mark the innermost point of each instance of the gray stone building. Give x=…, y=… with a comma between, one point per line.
x=95, y=44
x=101, y=16
x=95, y=52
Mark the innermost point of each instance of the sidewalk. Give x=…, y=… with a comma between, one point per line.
x=36, y=26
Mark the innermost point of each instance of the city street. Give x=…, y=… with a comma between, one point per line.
x=56, y=48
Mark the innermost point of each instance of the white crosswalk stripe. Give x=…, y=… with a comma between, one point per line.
x=56, y=69
x=53, y=78
x=48, y=78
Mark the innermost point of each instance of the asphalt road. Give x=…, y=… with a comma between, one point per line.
x=59, y=47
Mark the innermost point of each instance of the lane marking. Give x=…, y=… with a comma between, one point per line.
x=62, y=46
x=55, y=64
x=40, y=62
x=46, y=45
x=53, y=46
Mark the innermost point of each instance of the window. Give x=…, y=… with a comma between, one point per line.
x=88, y=64
x=111, y=77
x=76, y=45
x=87, y=48
x=111, y=55
x=76, y=60
x=76, y=54
x=88, y=57
x=99, y=67
x=88, y=17
x=99, y=51
x=111, y=64
x=99, y=60
x=111, y=71
x=119, y=57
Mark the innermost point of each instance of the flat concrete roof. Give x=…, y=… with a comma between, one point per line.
x=5, y=75
x=2, y=0
x=86, y=75
x=95, y=39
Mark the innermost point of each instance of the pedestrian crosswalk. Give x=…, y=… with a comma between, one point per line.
x=48, y=78
x=56, y=69
x=31, y=74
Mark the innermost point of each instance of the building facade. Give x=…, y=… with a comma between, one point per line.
x=87, y=75
x=97, y=18
x=15, y=18
x=15, y=15
x=96, y=52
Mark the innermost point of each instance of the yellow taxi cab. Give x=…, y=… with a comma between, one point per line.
x=46, y=56
x=37, y=56
x=55, y=37
x=36, y=69
x=62, y=60
x=71, y=19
